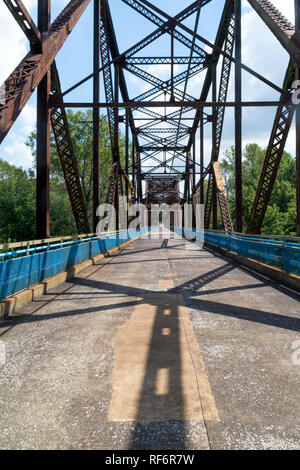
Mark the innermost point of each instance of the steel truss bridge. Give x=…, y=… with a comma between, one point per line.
x=161, y=123
x=146, y=337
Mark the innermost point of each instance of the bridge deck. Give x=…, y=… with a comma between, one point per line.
x=160, y=347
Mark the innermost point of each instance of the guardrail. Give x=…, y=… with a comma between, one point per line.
x=21, y=269
x=285, y=238
x=279, y=254
x=276, y=253
x=48, y=241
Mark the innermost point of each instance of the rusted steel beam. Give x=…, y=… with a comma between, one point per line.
x=222, y=198
x=67, y=157
x=43, y=137
x=224, y=38
x=26, y=23
x=25, y=78
x=238, y=118
x=96, y=114
x=208, y=200
x=108, y=84
x=168, y=104
x=297, y=23
x=282, y=28
x=279, y=135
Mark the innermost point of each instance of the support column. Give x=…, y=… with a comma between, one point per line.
x=43, y=136
x=214, y=143
x=201, y=158
x=297, y=24
x=140, y=188
x=194, y=162
x=133, y=166
x=127, y=152
x=116, y=155
x=96, y=114
x=238, y=119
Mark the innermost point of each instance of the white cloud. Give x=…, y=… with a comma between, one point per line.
x=18, y=153
x=14, y=149
x=14, y=46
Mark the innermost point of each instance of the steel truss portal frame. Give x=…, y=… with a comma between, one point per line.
x=162, y=137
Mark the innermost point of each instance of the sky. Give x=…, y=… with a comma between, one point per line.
x=260, y=51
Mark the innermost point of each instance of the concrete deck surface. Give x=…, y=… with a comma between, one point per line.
x=160, y=347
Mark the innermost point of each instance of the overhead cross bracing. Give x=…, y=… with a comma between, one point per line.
x=182, y=81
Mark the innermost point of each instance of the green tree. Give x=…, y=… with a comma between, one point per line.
x=17, y=186
x=81, y=130
x=281, y=213
x=17, y=203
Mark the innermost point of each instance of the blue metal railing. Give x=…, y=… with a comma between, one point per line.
x=21, y=269
x=279, y=254
x=282, y=255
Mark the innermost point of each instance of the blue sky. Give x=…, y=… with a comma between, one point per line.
x=261, y=51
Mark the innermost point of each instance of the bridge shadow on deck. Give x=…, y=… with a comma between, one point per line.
x=160, y=420
x=162, y=388
x=190, y=290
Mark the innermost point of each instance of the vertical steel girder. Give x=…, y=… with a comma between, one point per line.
x=96, y=114
x=280, y=131
x=297, y=27
x=224, y=36
x=25, y=78
x=43, y=137
x=108, y=83
x=238, y=118
x=224, y=84
x=67, y=157
x=58, y=120
x=108, y=45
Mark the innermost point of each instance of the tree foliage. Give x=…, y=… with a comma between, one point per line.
x=17, y=186
x=280, y=218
